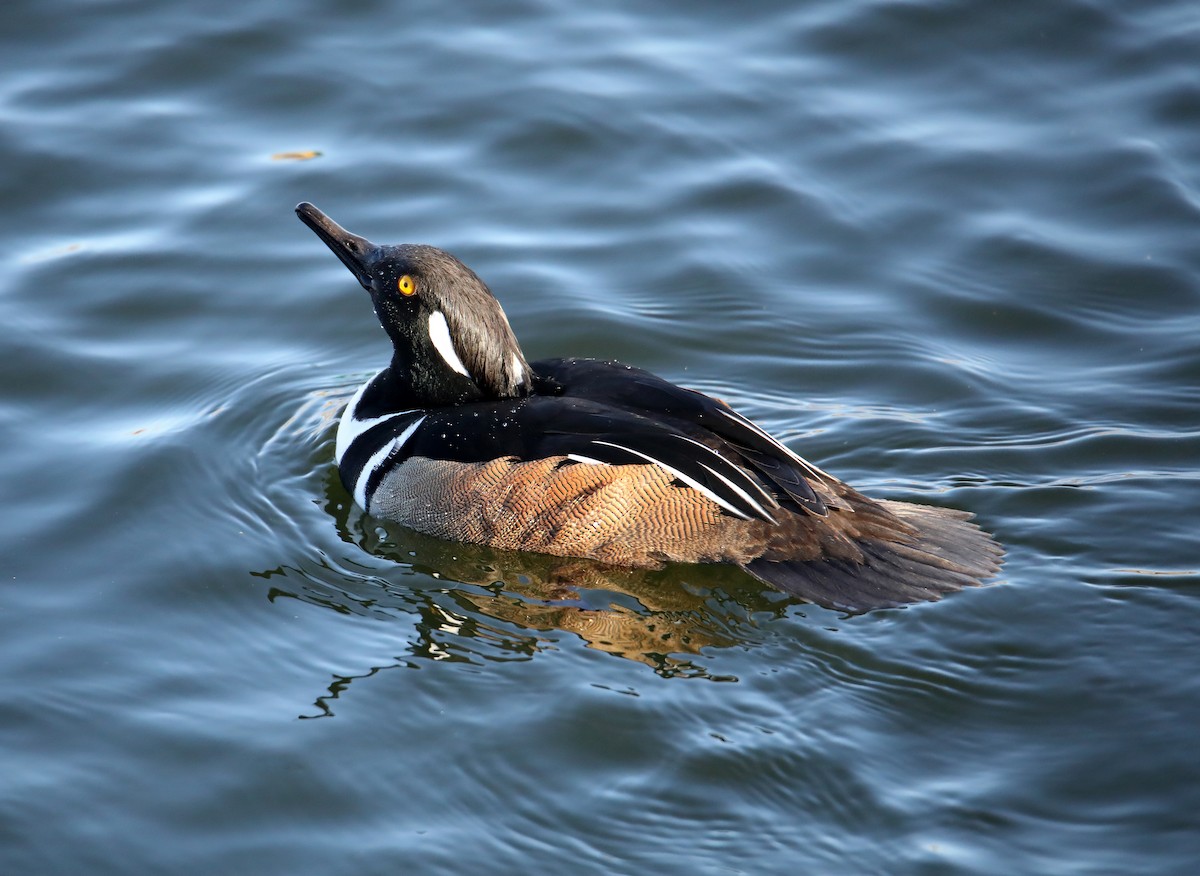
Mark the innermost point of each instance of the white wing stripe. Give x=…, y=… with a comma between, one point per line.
x=690, y=481
x=587, y=460
x=757, y=507
x=745, y=478
x=804, y=463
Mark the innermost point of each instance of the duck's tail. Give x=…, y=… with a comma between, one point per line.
x=947, y=554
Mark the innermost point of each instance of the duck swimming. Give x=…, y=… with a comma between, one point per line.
x=461, y=438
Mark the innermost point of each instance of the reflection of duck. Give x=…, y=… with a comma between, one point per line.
x=462, y=439
x=511, y=605
x=652, y=617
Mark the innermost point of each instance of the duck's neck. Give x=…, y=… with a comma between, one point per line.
x=423, y=382
x=416, y=380
x=402, y=388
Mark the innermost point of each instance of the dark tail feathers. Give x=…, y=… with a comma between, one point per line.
x=950, y=553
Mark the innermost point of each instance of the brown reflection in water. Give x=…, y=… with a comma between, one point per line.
x=651, y=617
x=505, y=605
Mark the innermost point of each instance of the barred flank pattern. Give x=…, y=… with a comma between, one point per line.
x=628, y=515
x=865, y=555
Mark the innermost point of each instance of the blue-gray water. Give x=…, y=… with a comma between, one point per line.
x=950, y=251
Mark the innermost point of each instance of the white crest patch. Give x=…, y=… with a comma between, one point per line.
x=439, y=333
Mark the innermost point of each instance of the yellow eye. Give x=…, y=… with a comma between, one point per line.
x=406, y=285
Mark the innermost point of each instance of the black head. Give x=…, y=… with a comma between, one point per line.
x=452, y=342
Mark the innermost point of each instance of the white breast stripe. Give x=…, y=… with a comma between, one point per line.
x=691, y=482
x=439, y=333
x=377, y=459
x=518, y=369
x=351, y=427
x=347, y=422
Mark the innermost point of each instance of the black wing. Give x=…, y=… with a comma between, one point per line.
x=634, y=390
x=591, y=432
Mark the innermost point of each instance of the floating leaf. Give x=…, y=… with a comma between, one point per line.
x=295, y=156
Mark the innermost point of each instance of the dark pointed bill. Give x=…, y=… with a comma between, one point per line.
x=356, y=252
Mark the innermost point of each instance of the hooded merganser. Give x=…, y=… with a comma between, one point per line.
x=461, y=438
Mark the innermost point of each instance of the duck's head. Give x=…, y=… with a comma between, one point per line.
x=452, y=342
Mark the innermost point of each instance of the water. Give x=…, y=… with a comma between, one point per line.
x=946, y=250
